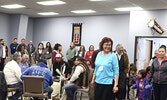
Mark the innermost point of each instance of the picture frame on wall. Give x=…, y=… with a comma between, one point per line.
x=76, y=33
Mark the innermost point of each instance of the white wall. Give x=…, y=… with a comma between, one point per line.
x=157, y=43
x=23, y=24
x=30, y=29
x=93, y=30
x=138, y=27
x=5, y=27
x=121, y=28
x=14, y=25
x=9, y=26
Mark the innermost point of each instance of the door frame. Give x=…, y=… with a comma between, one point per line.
x=136, y=37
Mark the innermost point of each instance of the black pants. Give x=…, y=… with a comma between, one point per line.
x=121, y=86
x=160, y=91
x=103, y=92
x=71, y=63
x=2, y=64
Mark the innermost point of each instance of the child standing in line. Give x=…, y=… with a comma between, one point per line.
x=132, y=78
x=143, y=91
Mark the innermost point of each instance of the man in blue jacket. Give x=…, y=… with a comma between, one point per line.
x=41, y=69
x=13, y=46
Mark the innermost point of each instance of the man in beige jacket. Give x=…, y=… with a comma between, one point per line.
x=12, y=73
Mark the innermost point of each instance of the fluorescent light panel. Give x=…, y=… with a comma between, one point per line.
x=51, y=2
x=83, y=11
x=48, y=13
x=129, y=9
x=13, y=6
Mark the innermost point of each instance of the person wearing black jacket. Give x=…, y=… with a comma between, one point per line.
x=3, y=86
x=13, y=46
x=62, y=66
x=30, y=50
x=61, y=70
x=158, y=75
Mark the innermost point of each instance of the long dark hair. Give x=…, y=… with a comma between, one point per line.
x=90, y=47
x=41, y=44
x=19, y=47
x=81, y=47
x=80, y=59
x=50, y=47
x=56, y=47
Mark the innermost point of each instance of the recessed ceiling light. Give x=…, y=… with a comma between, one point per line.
x=83, y=11
x=13, y=6
x=129, y=9
x=48, y=13
x=51, y=2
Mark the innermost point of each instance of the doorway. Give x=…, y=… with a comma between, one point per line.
x=144, y=49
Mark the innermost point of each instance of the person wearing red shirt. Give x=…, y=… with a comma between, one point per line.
x=57, y=50
x=89, y=53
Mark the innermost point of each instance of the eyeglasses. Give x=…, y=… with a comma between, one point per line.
x=107, y=44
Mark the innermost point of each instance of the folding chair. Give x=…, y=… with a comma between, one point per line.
x=33, y=86
x=86, y=90
x=12, y=90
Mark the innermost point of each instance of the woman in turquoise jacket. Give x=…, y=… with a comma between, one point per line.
x=105, y=78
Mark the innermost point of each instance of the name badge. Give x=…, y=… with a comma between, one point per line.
x=101, y=68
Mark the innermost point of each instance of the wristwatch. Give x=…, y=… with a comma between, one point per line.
x=116, y=85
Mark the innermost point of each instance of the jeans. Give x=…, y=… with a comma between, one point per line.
x=18, y=93
x=49, y=89
x=49, y=64
x=70, y=89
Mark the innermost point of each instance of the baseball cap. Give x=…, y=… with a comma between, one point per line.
x=58, y=55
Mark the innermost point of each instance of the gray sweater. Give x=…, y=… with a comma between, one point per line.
x=158, y=72
x=71, y=52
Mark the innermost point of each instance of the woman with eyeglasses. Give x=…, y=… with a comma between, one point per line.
x=105, y=78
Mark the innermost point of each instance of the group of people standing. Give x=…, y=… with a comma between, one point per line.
x=111, y=69
x=108, y=65
x=27, y=60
